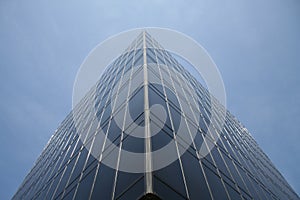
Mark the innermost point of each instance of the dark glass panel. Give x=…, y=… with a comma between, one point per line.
x=229, y=149
x=79, y=165
x=77, y=148
x=104, y=128
x=164, y=191
x=118, y=76
x=85, y=185
x=92, y=128
x=69, y=152
x=195, y=179
x=172, y=98
x=106, y=114
x=247, y=196
x=136, y=104
x=125, y=181
x=150, y=52
x=162, y=138
x=220, y=144
x=121, y=96
x=160, y=59
x=153, y=68
x=151, y=59
x=44, y=192
x=156, y=98
x=234, y=172
x=172, y=176
x=203, y=125
x=70, y=194
x=133, y=191
x=131, y=125
x=184, y=137
x=137, y=78
x=215, y=184
x=46, y=176
x=91, y=163
x=65, y=177
x=104, y=183
x=153, y=77
x=139, y=60
x=176, y=117
x=114, y=131
x=252, y=191
x=198, y=140
x=128, y=66
x=133, y=144
x=53, y=185
x=111, y=149
x=233, y=193
x=219, y=161
x=99, y=111
x=96, y=149
x=158, y=89
x=260, y=191
x=139, y=44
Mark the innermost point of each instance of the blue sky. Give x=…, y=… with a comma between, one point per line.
x=255, y=44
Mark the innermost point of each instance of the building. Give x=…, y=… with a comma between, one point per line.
x=146, y=100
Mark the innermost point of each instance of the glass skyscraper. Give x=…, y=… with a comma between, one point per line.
x=146, y=101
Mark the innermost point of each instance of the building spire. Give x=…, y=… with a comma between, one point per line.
x=148, y=158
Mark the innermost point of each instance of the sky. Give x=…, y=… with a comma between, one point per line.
x=255, y=45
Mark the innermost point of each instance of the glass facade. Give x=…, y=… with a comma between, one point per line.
x=147, y=87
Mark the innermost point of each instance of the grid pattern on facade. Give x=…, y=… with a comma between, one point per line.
x=236, y=168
